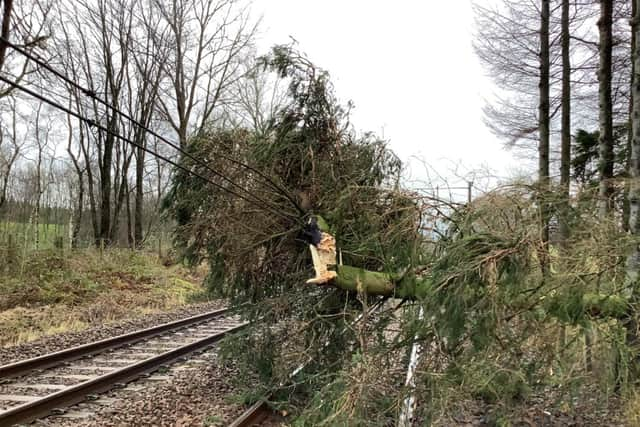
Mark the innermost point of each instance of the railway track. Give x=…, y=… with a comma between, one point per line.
x=254, y=415
x=34, y=388
x=260, y=413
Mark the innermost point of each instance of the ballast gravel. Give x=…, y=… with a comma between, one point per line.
x=197, y=392
x=61, y=341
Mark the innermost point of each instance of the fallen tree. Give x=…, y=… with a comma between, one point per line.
x=474, y=268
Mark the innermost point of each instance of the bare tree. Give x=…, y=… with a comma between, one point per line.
x=565, y=143
x=634, y=196
x=24, y=22
x=544, y=121
x=149, y=57
x=255, y=99
x=7, y=9
x=605, y=141
x=208, y=40
x=10, y=149
x=80, y=169
x=633, y=260
x=97, y=52
x=508, y=45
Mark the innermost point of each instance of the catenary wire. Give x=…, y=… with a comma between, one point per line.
x=93, y=95
x=93, y=123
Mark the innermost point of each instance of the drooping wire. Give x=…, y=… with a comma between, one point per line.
x=90, y=93
x=94, y=124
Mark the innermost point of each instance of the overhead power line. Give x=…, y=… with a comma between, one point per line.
x=90, y=93
x=93, y=123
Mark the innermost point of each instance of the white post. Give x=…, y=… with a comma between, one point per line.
x=409, y=405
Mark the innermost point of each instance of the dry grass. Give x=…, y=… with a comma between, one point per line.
x=632, y=409
x=57, y=292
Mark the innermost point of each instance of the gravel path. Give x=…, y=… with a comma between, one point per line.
x=64, y=340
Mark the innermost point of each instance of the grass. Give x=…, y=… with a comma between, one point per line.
x=632, y=409
x=53, y=291
x=22, y=233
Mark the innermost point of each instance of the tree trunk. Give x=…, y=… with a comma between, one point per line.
x=130, y=239
x=92, y=201
x=633, y=261
x=605, y=141
x=121, y=192
x=565, y=143
x=138, y=226
x=627, y=166
x=12, y=159
x=36, y=209
x=36, y=226
x=105, y=181
x=544, y=128
x=105, y=193
x=6, y=26
x=375, y=283
x=77, y=220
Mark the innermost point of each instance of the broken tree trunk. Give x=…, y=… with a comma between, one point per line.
x=408, y=285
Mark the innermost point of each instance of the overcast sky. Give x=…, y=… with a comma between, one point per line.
x=408, y=66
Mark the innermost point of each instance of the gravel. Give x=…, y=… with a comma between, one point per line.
x=193, y=393
x=197, y=392
x=273, y=421
x=69, y=339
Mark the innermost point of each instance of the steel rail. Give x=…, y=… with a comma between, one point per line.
x=260, y=410
x=52, y=359
x=42, y=407
x=254, y=415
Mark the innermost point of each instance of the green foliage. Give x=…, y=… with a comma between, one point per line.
x=492, y=382
x=492, y=314
x=310, y=152
x=584, y=162
x=479, y=269
x=255, y=254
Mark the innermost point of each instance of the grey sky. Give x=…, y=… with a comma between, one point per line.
x=409, y=67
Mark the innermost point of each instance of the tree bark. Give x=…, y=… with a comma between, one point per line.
x=544, y=127
x=12, y=158
x=105, y=192
x=6, y=25
x=38, y=179
x=409, y=286
x=130, y=239
x=121, y=191
x=565, y=143
x=627, y=167
x=138, y=225
x=77, y=220
x=90, y=185
x=605, y=116
x=633, y=261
